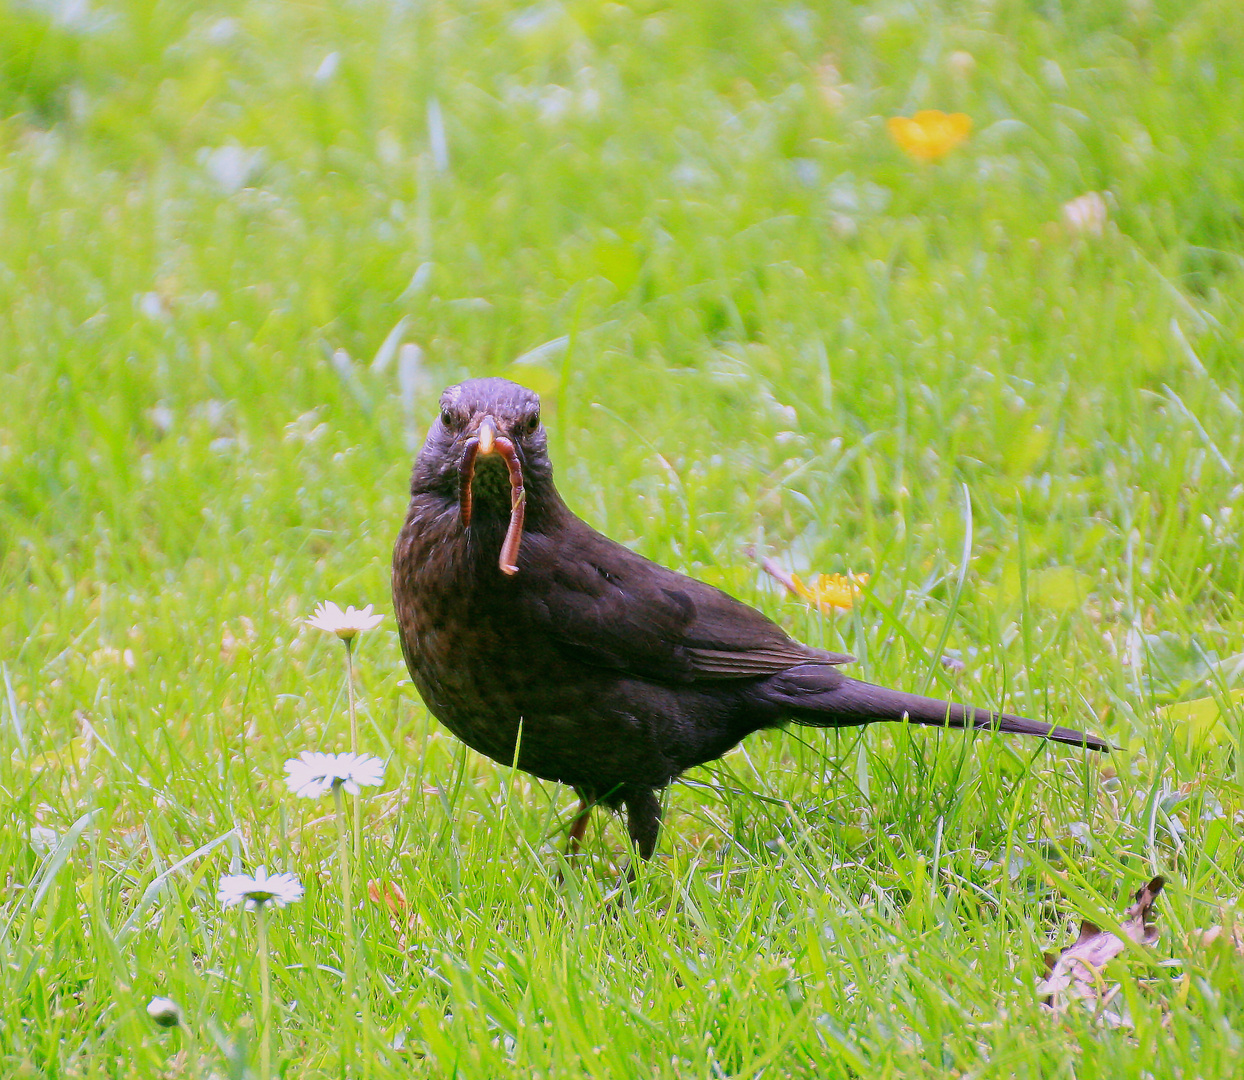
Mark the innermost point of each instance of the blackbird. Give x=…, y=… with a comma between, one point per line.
x=540, y=642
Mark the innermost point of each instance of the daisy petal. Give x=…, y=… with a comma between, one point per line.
x=345, y=624
x=312, y=774
x=259, y=890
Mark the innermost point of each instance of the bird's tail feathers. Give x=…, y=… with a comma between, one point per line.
x=855, y=699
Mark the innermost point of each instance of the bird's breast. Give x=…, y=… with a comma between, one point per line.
x=458, y=628
x=499, y=680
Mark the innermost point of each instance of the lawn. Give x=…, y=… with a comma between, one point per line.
x=242, y=249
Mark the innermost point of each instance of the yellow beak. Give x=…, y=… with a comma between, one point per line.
x=487, y=435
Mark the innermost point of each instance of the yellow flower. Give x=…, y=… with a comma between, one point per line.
x=831, y=590
x=931, y=134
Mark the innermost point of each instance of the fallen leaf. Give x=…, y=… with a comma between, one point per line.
x=389, y=894
x=1054, y=588
x=386, y=892
x=1076, y=973
x=68, y=758
x=1203, y=719
x=1231, y=937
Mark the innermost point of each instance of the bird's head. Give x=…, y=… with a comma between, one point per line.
x=487, y=449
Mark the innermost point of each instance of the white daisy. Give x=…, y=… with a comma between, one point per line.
x=164, y=1011
x=345, y=624
x=1086, y=214
x=260, y=890
x=312, y=774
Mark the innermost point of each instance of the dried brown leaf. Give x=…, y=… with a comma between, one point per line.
x=774, y=570
x=1230, y=936
x=387, y=892
x=1076, y=973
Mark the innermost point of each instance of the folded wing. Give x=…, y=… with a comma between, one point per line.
x=609, y=607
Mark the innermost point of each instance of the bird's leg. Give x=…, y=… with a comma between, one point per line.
x=578, y=825
x=643, y=819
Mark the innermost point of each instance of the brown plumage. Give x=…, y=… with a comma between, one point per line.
x=622, y=674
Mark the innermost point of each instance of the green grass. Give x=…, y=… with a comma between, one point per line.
x=771, y=328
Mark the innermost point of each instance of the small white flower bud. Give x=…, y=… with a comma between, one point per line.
x=961, y=64
x=164, y=1011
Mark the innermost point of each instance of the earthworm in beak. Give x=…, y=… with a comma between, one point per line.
x=518, y=506
x=488, y=442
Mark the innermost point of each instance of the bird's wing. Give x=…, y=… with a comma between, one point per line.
x=612, y=608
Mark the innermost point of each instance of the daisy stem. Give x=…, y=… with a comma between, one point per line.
x=347, y=906
x=354, y=744
x=265, y=989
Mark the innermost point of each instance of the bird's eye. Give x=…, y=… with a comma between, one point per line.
x=447, y=418
x=531, y=423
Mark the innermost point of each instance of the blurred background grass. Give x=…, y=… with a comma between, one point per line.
x=242, y=248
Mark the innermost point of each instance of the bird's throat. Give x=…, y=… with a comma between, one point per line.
x=490, y=487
